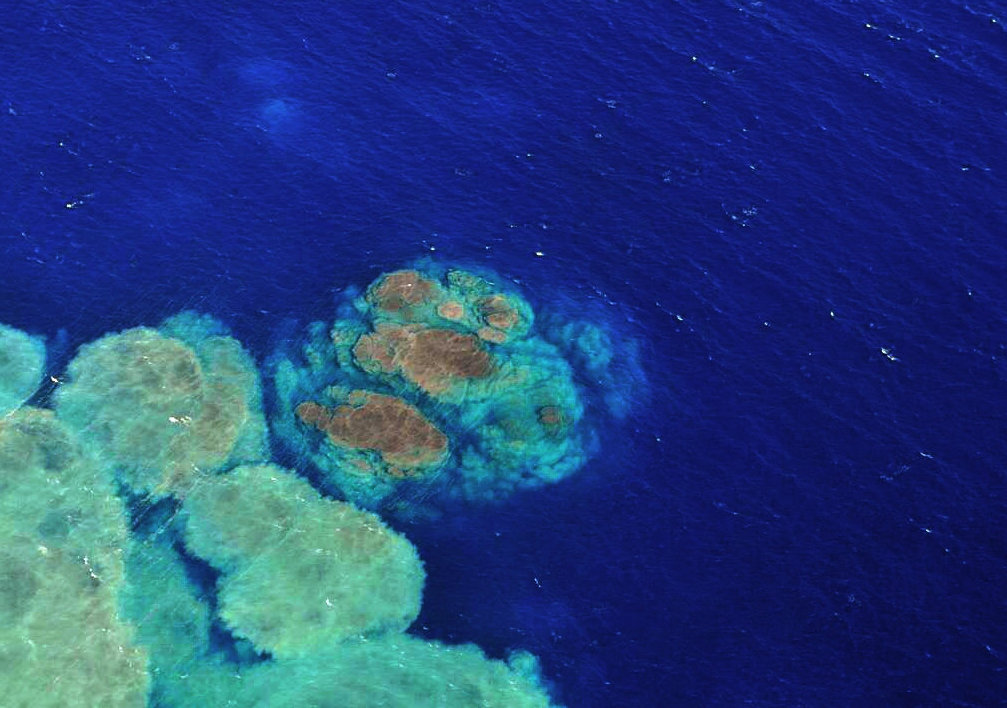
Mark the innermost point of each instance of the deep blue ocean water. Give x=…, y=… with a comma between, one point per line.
x=797, y=209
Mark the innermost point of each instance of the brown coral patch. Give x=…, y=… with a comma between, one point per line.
x=378, y=351
x=488, y=334
x=451, y=310
x=402, y=435
x=552, y=419
x=433, y=359
x=440, y=356
x=497, y=312
x=401, y=290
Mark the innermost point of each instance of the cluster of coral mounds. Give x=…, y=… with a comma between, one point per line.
x=231, y=583
x=22, y=358
x=461, y=351
x=435, y=360
x=299, y=572
x=62, y=642
x=164, y=405
x=324, y=590
x=473, y=303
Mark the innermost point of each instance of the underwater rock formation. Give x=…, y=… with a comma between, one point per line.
x=460, y=350
x=233, y=581
x=22, y=358
x=611, y=364
x=401, y=291
x=162, y=406
x=473, y=303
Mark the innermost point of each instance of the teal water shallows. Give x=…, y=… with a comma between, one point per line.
x=62, y=642
x=396, y=671
x=319, y=595
x=473, y=403
x=22, y=358
x=163, y=405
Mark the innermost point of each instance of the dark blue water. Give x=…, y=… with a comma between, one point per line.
x=797, y=208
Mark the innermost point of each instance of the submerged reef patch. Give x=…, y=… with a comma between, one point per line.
x=330, y=594
x=459, y=352
x=393, y=671
x=62, y=642
x=300, y=572
x=164, y=405
x=432, y=359
x=407, y=443
x=22, y=358
x=611, y=364
x=232, y=580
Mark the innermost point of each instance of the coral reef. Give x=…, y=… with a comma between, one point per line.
x=611, y=365
x=393, y=671
x=172, y=621
x=162, y=406
x=22, y=358
x=62, y=642
x=300, y=572
x=434, y=360
x=312, y=661
x=461, y=350
x=406, y=442
x=402, y=292
x=232, y=580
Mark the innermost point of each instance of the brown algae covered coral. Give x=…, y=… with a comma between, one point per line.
x=446, y=350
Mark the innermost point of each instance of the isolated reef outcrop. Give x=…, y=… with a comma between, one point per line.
x=435, y=360
x=164, y=405
x=22, y=358
x=487, y=405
